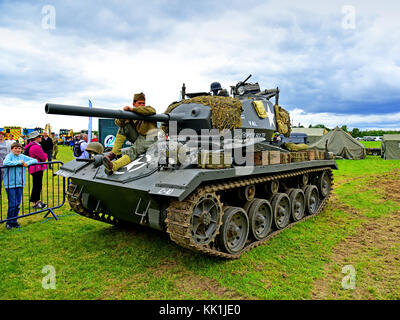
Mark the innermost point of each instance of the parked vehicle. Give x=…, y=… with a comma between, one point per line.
x=206, y=206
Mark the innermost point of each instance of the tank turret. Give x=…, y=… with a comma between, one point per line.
x=249, y=109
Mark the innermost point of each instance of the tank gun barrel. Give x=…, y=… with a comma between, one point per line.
x=52, y=108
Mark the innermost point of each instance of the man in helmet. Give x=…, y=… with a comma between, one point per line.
x=217, y=90
x=215, y=87
x=140, y=133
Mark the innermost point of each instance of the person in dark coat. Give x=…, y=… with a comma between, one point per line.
x=47, y=146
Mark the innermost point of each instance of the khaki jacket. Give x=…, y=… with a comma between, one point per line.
x=141, y=126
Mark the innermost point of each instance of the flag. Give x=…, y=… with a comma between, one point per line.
x=90, y=124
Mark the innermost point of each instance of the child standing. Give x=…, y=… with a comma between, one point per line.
x=14, y=181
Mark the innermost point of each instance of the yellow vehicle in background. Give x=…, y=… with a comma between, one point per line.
x=15, y=131
x=68, y=134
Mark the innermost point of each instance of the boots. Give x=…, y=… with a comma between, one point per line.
x=111, y=167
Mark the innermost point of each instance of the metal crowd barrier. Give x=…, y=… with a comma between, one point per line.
x=52, y=192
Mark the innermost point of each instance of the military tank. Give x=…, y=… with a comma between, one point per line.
x=218, y=207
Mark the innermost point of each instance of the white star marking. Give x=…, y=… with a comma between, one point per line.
x=134, y=163
x=271, y=117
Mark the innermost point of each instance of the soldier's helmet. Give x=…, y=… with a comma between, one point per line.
x=95, y=147
x=215, y=86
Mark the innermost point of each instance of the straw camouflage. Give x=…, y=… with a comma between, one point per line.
x=225, y=111
x=282, y=121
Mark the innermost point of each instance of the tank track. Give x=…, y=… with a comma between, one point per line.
x=74, y=199
x=179, y=214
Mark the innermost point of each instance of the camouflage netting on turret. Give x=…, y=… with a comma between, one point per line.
x=282, y=121
x=225, y=111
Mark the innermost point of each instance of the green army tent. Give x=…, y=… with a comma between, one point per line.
x=313, y=134
x=391, y=146
x=341, y=144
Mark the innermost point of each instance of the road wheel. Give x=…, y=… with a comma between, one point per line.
x=281, y=210
x=298, y=203
x=260, y=218
x=312, y=199
x=234, y=230
x=324, y=184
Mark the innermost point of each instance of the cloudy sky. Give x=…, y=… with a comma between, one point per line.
x=336, y=62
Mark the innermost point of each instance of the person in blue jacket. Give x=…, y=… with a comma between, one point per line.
x=14, y=181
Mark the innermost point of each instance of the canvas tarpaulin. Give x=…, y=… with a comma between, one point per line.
x=313, y=134
x=341, y=144
x=391, y=146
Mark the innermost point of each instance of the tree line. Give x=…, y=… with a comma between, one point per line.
x=356, y=132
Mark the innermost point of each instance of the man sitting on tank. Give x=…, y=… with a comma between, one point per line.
x=140, y=133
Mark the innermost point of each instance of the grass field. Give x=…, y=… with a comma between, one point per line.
x=372, y=144
x=359, y=227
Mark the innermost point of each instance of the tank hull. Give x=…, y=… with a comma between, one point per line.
x=146, y=200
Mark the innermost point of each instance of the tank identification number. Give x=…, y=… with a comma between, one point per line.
x=207, y=309
x=165, y=191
